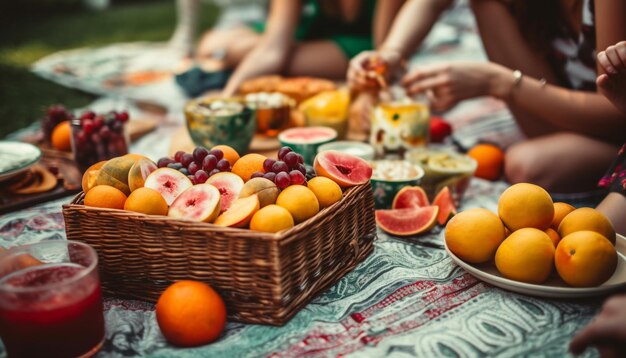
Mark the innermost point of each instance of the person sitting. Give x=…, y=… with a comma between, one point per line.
x=300, y=38
x=542, y=66
x=607, y=332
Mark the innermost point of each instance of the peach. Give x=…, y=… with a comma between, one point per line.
x=199, y=203
x=170, y=183
x=265, y=189
x=229, y=185
x=240, y=213
x=139, y=172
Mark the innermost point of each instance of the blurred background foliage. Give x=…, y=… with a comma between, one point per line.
x=32, y=29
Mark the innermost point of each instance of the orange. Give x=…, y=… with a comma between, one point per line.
x=248, y=165
x=90, y=176
x=190, y=313
x=526, y=205
x=474, y=235
x=327, y=191
x=299, y=201
x=147, y=201
x=560, y=211
x=61, y=136
x=490, y=161
x=587, y=219
x=526, y=255
x=230, y=153
x=104, y=196
x=553, y=235
x=272, y=218
x=585, y=259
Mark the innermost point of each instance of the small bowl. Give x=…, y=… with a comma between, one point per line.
x=385, y=189
x=273, y=111
x=444, y=167
x=307, y=147
x=233, y=124
x=359, y=149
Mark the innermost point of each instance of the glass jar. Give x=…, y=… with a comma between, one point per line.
x=101, y=138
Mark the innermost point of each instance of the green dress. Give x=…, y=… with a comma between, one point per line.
x=314, y=24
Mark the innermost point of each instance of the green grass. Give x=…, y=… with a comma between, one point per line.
x=25, y=39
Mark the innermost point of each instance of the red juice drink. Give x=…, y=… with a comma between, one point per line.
x=54, y=308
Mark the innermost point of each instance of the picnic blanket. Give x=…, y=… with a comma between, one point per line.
x=408, y=299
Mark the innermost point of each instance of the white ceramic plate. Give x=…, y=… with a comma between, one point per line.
x=554, y=287
x=16, y=157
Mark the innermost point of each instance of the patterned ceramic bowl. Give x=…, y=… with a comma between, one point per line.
x=390, y=176
x=220, y=121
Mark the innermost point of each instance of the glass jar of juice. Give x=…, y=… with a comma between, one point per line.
x=399, y=126
x=50, y=300
x=99, y=137
x=273, y=111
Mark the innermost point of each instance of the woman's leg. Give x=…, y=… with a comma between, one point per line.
x=504, y=44
x=233, y=44
x=561, y=162
x=614, y=208
x=321, y=58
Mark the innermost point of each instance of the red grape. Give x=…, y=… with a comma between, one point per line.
x=88, y=126
x=300, y=159
x=302, y=169
x=267, y=164
x=193, y=168
x=201, y=176
x=291, y=159
x=257, y=175
x=193, y=179
x=179, y=156
x=88, y=115
x=283, y=151
x=209, y=163
x=296, y=177
x=98, y=122
x=218, y=154
x=199, y=153
x=213, y=172
x=270, y=176
x=123, y=116
x=282, y=180
x=280, y=166
x=105, y=133
x=186, y=159
x=163, y=162
x=223, y=165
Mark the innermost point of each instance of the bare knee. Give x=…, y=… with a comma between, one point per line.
x=522, y=165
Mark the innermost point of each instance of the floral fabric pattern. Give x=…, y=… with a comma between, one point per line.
x=615, y=178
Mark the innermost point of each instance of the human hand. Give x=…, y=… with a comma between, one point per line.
x=612, y=84
x=607, y=331
x=447, y=84
x=371, y=70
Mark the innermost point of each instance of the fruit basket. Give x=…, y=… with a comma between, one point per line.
x=264, y=278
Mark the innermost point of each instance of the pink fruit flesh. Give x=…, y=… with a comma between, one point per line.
x=350, y=169
x=444, y=201
x=196, y=203
x=311, y=134
x=169, y=182
x=229, y=186
x=405, y=222
x=410, y=197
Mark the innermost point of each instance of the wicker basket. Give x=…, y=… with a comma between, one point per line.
x=263, y=278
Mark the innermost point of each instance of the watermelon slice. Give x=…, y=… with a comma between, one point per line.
x=406, y=222
x=446, y=206
x=410, y=197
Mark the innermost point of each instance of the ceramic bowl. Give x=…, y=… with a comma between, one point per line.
x=386, y=188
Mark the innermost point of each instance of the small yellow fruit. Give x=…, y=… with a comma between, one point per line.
x=560, y=211
x=553, y=235
x=299, y=201
x=147, y=201
x=585, y=259
x=526, y=205
x=327, y=191
x=527, y=255
x=271, y=218
x=474, y=235
x=587, y=219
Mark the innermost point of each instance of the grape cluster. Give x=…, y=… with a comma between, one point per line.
x=54, y=115
x=99, y=136
x=288, y=170
x=197, y=166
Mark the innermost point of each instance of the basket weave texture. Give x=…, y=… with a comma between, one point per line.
x=263, y=278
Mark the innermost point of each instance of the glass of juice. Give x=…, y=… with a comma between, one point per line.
x=50, y=300
x=400, y=125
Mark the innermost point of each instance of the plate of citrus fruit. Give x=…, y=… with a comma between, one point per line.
x=537, y=247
